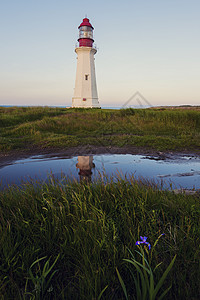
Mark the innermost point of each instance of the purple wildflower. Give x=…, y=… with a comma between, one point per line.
x=143, y=241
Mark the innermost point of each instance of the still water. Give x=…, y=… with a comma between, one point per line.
x=174, y=171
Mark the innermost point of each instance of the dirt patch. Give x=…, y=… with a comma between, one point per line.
x=6, y=158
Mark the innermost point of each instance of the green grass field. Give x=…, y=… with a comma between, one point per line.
x=68, y=241
x=87, y=229
x=41, y=128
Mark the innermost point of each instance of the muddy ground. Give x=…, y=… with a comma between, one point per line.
x=7, y=158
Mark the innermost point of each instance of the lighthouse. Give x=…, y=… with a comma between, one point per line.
x=85, y=92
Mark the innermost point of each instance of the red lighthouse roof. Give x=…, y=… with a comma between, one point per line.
x=85, y=23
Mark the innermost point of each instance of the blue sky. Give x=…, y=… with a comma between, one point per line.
x=150, y=46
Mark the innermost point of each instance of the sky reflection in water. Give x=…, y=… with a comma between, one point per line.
x=181, y=172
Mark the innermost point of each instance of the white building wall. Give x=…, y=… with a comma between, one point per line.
x=85, y=89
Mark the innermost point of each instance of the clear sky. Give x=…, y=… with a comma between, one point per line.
x=150, y=46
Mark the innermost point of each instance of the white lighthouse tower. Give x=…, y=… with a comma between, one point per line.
x=85, y=92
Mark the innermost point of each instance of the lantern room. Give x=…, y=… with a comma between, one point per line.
x=85, y=34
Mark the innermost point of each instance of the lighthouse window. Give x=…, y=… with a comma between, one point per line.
x=86, y=28
x=86, y=76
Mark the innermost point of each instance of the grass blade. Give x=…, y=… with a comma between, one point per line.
x=122, y=284
x=99, y=297
x=158, y=286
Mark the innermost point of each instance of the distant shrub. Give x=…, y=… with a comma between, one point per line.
x=127, y=112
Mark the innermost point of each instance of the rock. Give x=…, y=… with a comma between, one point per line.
x=185, y=191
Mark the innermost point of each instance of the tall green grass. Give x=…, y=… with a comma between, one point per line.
x=86, y=230
x=38, y=127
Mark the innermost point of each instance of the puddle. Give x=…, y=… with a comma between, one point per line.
x=172, y=172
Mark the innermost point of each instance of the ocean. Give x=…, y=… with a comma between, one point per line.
x=60, y=106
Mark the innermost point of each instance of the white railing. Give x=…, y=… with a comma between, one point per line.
x=93, y=46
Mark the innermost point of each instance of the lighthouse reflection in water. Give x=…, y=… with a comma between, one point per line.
x=85, y=165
